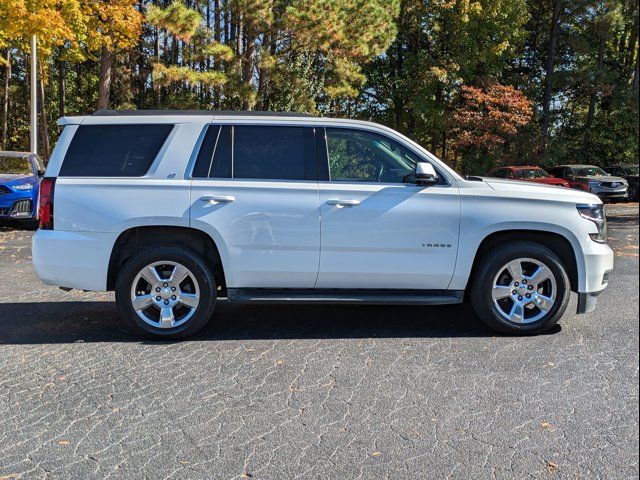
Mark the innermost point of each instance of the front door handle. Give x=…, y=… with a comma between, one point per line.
x=343, y=203
x=217, y=198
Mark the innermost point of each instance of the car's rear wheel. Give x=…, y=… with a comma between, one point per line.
x=520, y=287
x=166, y=292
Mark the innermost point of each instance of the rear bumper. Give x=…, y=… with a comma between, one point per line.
x=72, y=259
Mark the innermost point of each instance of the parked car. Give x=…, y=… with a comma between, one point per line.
x=630, y=174
x=19, y=181
x=592, y=179
x=529, y=174
x=175, y=210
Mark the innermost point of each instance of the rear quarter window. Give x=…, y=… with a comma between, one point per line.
x=113, y=150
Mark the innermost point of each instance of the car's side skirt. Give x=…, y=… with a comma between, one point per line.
x=345, y=296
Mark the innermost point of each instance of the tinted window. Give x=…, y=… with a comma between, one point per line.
x=113, y=150
x=360, y=156
x=500, y=173
x=214, y=157
x=274, y=152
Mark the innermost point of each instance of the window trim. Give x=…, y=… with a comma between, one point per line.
x=447, y=181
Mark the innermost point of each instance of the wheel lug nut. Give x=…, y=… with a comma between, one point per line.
x=173, y=289
x=166, y=302
x=158, y=298
x=524, y=281
x=530, y=287
x=520, y=297
x=173, y=297
x=157, y=289
x=515, y=292
x=165, y=284
x=516, y=284
x=528, y=295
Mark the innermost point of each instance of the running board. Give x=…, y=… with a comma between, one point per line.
x=345, y=296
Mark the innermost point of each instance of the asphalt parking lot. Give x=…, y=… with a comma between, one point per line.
x=316, y=392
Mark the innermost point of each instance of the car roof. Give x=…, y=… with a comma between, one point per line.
x=579, y=166
x=173, y=113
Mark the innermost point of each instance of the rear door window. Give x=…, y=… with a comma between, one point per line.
x=113, y=150
x=214, y=157
x=273, y=153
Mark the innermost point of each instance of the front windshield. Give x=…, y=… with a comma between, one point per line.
x=15, y=166
x=631, y=169
x=590, y=172
x=527, y=173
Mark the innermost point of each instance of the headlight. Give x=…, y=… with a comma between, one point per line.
x=595, y=213
x=24, y=186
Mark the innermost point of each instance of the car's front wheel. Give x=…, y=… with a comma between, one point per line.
x=166, y=292
x=520, y=287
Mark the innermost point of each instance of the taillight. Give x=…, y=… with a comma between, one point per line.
x=45, y=203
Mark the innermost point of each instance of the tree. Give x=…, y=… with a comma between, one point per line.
x=486, y=118
x=104, y=29
x=440, y=46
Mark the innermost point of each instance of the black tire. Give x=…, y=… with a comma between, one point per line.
x=202, y=273
x=491, y=265
x=633, y=193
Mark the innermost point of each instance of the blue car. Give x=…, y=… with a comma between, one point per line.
x=20, y=175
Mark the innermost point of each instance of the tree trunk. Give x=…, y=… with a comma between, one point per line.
x=247, y=68
x=61, y=90
x=548, y=78
x=592, y=101
x=104, y=82
x=636, y=73
x=5, y=101
x=44, y=127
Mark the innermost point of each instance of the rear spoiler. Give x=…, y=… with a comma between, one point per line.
x=62, y=121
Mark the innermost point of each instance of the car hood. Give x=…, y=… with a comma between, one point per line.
x=551, y=180
x=600, y=178
x=16, y=178
x=537, y=190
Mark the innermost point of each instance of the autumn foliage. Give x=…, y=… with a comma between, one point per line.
x=488, y=116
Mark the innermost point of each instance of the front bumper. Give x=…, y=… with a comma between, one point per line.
x=598, y=265
x=17, y=205
x=610, y=193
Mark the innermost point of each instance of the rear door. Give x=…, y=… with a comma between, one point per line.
x=379, y=229
x=254, y=190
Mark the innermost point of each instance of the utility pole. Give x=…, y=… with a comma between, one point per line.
x=34, y=96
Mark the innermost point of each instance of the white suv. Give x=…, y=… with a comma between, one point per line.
x=175, y=210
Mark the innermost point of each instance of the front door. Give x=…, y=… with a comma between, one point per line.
x=254, y=190
x=379, y=230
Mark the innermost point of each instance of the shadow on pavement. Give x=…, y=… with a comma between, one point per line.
x=68, y=322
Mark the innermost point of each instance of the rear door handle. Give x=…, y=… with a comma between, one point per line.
x=343, y=203
x=217, y=198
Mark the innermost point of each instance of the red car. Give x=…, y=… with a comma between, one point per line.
x=529, y=174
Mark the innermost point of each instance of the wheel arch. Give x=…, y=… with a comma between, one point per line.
x=556, y=242
x=131, y=240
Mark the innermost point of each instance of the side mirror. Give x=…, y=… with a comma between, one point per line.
x=426, y=174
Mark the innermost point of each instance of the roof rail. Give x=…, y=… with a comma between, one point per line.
x=106, y=113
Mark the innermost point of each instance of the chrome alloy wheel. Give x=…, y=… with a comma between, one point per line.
x=165, y=294
x=524, y=290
